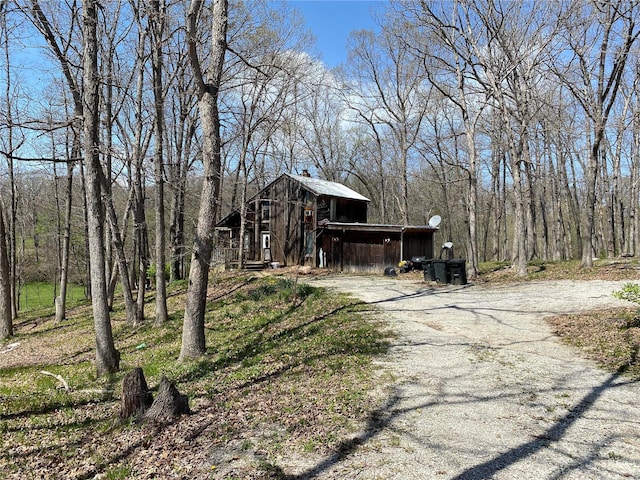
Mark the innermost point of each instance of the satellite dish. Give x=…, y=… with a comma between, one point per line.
x=447, y=245
x=435, y=221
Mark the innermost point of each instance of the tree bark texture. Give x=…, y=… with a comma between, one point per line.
x=61, y=301
x=12, y=212
x=107, y=357
x=136, y=397
x=6, y=317
x=121, y=258
x=168, y=405
x=193, y=339
x=158, y=159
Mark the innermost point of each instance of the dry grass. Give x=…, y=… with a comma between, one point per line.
x=611, y=337
x=287, y=373
x=603, y=269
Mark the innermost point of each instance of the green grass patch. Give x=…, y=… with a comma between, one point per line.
x=288, y=369
x=39, y=296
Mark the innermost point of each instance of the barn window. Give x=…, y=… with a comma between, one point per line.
x=265, y=209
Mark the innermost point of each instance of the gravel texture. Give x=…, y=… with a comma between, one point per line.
x=482, y=389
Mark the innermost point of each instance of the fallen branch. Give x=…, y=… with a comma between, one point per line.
x=59, y=378
x=10, y=347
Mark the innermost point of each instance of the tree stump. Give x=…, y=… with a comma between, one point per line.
x=169, y=403
x=136, y=397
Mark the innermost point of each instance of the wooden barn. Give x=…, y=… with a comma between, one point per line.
x=300, y=220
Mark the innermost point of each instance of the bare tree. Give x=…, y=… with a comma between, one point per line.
x=208, y=87
x=182, y=119
x=509, y=45
x=444, y=41
x=10, y=150
x=388, y=79
x=157, y=18
x=633, y=225
x=107, y=357
x=263, y=87
x=86, y=108
x=61, y=300
x=112, y=14
x=136, y=137
x=593, y=74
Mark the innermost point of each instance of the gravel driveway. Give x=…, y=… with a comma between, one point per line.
x=482, y=388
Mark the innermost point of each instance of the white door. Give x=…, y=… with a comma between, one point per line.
x=266, y=247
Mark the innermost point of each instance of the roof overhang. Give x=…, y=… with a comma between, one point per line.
x=375, y=227
x=234, y=215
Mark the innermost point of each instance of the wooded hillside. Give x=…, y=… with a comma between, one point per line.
x=129, y=127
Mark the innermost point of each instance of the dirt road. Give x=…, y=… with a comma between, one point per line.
x=482, y=388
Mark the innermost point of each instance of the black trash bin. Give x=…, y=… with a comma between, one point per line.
x=429, y=272
x=416, y=262
x=441, y=272
x=457, y=271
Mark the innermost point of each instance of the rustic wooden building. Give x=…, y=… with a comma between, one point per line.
x=298, y=220
x=369, y=248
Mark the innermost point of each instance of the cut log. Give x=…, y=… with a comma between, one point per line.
x=136, y=397
x=169, y=403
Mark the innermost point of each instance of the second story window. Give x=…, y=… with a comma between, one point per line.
x=265, y=210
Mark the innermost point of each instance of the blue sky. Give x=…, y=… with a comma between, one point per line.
x=332, y=20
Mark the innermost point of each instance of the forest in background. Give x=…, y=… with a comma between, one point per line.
x=516, y=121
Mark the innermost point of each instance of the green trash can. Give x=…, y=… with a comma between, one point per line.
x=441, y=272
x=457, y=271
x=429, y=272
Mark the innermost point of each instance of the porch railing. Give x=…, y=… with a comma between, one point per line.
x=225, y=256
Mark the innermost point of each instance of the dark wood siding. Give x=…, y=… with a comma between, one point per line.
x=290, y=214
x=361, y=252
x=417, y=245
x=287, y=221
x=343, y=210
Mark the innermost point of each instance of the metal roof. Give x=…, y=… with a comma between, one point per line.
x=325, y=187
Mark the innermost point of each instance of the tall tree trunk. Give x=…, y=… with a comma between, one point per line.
x=118, y=247
x=617, y=204
x=554, y=197
x=520, y=240
x=243, y=206
x=6, y=318
x=193, y=339
x=141, y=240
x=176, y=229
x=107, y=357
x=497, y=205
x=11, y=237
x=184, y=138
x=589, y=212
x=404, y=184
x=158, y=18
x=471, y=194
x=141, y=236
x=87, y=249
x=530, y=207
x=61, y=300
x=634, y=218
